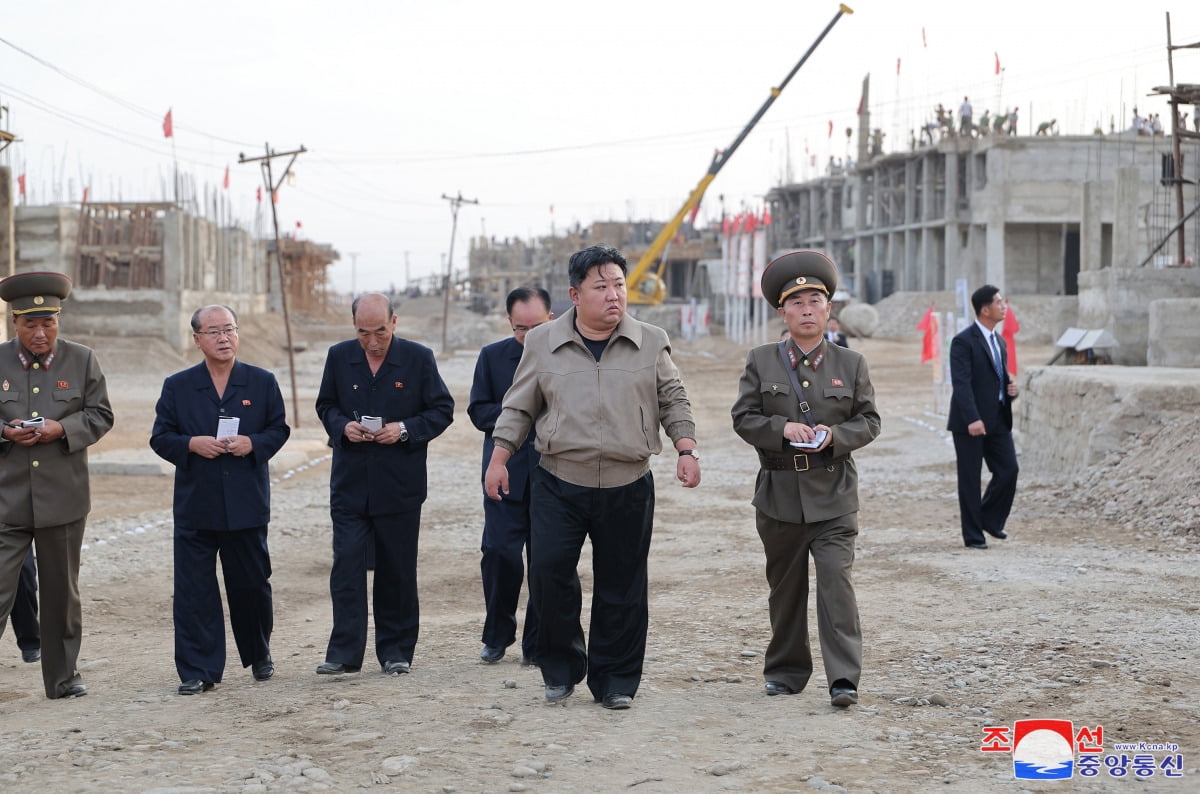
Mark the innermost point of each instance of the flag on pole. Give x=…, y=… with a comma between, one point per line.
x=830, y=128
x=258, y=194
x=997, y=62
x=924, y=43
x=897, y=67
x=21, y=184
x=168, y=126
x=929, y=344
x=225, y=184
x=1008, y=332
x=85, y=194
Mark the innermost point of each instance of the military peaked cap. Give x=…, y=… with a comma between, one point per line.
x=798, y=270
x=38, y=294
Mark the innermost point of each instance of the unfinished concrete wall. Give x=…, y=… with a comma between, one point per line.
x=47, y=239
x=1121, y=406
x=1119, y=300
x=1174, y=333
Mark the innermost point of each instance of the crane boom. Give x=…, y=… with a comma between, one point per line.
x=648, y=287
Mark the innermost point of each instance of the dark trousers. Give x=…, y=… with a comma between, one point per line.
x=788, y=547
x=619, y=522
x=25, y=607
x=989, y=513
x=57, y=550
x=397, y=611
x=199, y=619
x=502, y=565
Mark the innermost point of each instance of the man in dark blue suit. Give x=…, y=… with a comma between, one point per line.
x=981, y=420
x=506, y=521
x=382, y=401
x=220, y=422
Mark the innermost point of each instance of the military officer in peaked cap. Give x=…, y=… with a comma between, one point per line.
x=54, y=404
x=805, y=405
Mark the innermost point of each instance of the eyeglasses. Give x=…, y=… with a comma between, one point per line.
x=229, y=330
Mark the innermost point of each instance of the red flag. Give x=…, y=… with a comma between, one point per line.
x=929, y=344
x=766, y=219
x=21, y=184
x=861, y=99
x=997, y=62
x=85, y=194
x=726, y=226
x=226, y=184
x=897, y=67
x=1008, y=332
x=274, y=196
x=830, y=129
x=750, y=222
x=298, y=224
x=258, y=194
x=168, y=127
x=924, y=43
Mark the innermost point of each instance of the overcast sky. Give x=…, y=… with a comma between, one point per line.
x=548, y=113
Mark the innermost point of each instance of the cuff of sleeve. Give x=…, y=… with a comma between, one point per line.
x=681, y=430
x=504, y=445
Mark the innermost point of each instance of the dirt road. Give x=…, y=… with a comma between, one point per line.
x=1072, y=618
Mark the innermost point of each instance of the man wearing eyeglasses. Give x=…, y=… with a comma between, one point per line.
x=506, y=521
x=54, y=405
x=220, y=422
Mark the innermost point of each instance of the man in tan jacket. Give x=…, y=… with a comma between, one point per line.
x=596, y=384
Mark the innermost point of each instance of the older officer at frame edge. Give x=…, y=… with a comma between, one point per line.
x=44, y=496
x=807, y=390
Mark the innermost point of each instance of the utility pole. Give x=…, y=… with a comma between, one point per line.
x=455, y=203
x=272, y=186
x=353, y=274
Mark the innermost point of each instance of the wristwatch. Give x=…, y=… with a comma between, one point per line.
x=695, y=455
x=403, y=432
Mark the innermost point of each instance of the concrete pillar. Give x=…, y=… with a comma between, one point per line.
x=1125, y=218
x=1091, y=227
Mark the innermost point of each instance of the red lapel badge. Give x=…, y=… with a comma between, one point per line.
x=838, y=382
x=245, y=402
x=399, y=384
x=62, y=384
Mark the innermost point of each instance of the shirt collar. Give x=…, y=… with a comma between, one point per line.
x=28, y=359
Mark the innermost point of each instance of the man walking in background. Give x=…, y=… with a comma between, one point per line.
x=981, y=421
x=506, y=520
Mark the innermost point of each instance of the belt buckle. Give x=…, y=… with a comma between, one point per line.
x=796, y=462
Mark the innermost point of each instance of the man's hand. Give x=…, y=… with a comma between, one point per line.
x=25, y=436
x=356, y=432
x=207, y=446
x=977, y=428
x=240, y=446
x=687, y=471
x=388, y=434
x=495, y=480
x=51, y=431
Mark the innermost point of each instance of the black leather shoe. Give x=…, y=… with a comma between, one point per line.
x=263, y=669
x=336, y=668
x=528, y=660
x=556, y=693
x=843, y=693
x=979, y=546
x=1001, y=535
x=31, y=655
x=74, y=691
x=615, y=701
x=396, y=667
x=491, y=654
x=779, y=688
x=195, y=687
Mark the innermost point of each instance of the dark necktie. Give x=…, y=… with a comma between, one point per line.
x=999, y=366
